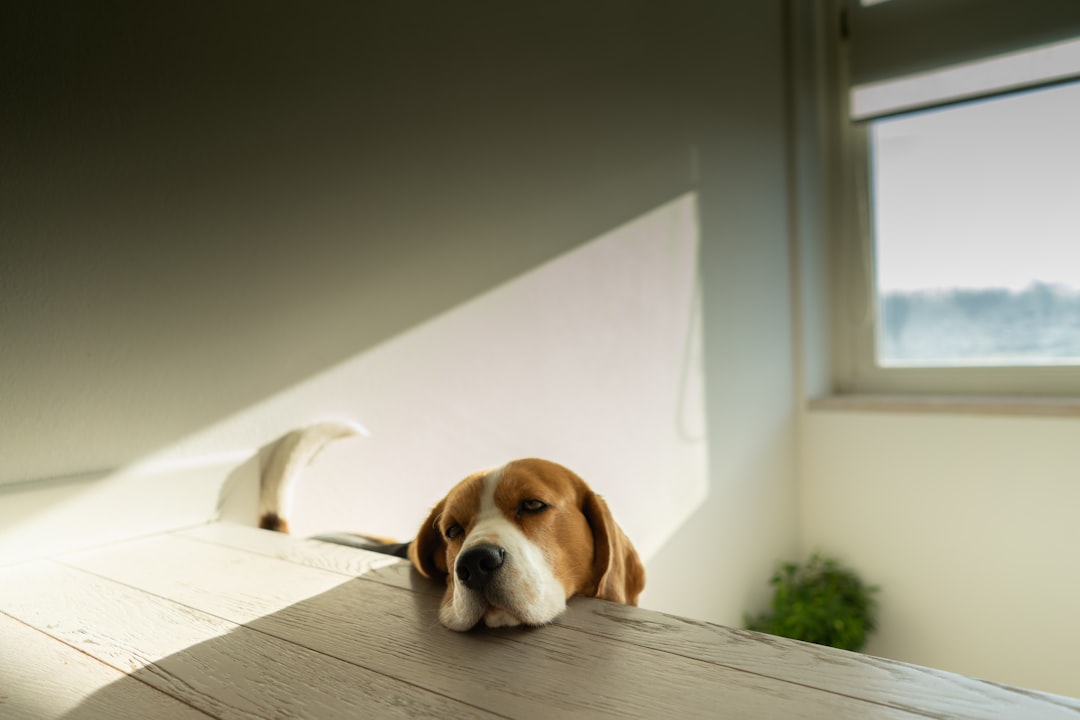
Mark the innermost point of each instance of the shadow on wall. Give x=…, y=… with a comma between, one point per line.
x=593, y=360
x=205, y=204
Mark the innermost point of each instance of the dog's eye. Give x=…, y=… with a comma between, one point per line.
x=532, y=506
x=454, y=531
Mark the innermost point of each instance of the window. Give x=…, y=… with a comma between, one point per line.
x=957, y=261
x=976, y=229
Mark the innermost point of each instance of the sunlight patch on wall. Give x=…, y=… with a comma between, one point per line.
x=593, y=360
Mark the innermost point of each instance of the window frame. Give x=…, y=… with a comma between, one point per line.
x=853, y=311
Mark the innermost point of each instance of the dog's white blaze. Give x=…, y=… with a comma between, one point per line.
x=525, y=590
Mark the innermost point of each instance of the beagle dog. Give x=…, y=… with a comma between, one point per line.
x=512, y=544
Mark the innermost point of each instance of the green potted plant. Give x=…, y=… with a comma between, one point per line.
x=820, y=602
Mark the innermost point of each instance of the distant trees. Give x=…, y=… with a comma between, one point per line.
x=1036, y=325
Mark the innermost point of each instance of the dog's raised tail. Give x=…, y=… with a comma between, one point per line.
x=287, y=460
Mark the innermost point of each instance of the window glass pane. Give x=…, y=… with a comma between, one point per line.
x=976, y=216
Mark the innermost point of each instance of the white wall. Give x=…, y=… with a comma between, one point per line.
x=206, y=208
x=204, y=205
x=968, y=523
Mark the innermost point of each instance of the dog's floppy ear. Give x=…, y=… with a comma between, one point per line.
x=617, y=570
x=428, y=551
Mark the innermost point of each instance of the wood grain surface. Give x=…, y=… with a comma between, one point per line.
x=231, y=622
x=883, y=681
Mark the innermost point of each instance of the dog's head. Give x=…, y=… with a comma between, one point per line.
x=515, y=542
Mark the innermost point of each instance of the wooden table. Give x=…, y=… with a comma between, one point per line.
x=222, y=621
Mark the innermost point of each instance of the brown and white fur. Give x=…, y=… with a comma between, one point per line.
x=512, y=544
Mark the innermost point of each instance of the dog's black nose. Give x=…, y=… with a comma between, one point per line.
x=478, y=565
